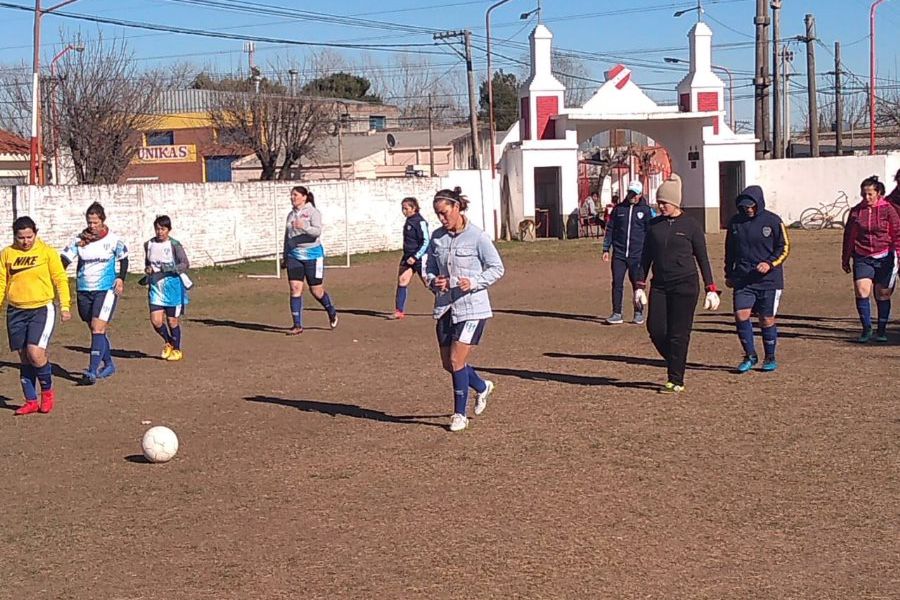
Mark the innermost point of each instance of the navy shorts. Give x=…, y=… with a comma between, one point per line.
x=464, y=332
x=30, y=326
x=312, y=271
x=418, y=266
x=763, y=303
x=173, y=312
x=97, y=305
x=882, y=271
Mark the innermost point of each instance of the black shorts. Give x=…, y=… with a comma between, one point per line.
x=464, y=332
x=97, y=305
x=312, y=271
x=30, y=326
x=762, y=302
x=418, y=266
x=173, y=312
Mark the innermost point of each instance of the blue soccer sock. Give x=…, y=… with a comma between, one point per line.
x=400, y=298
x=28, y=377
x=865, y=312
x=325, y=301
x=770, y=340
x=98, y=343
x=176, y=337
x=45, y=376
x=884, y=314
x=163, y=332
x=475, y=382
x=745, y=334
x=460, y=390
x=107, y=350
x=297, y=310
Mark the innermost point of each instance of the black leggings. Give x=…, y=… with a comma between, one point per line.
x=669, y=323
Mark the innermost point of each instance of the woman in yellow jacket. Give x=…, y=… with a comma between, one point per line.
x=29, y=272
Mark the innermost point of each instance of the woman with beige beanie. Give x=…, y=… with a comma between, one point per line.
x=674, y=247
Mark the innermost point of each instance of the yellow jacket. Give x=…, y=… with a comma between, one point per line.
x=27, y=278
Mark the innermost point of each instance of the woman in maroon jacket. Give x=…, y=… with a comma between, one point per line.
x=871, y=245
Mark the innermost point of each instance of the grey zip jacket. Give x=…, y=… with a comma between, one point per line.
x=469, y=254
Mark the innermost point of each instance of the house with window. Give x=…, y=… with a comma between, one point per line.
x=183, y=145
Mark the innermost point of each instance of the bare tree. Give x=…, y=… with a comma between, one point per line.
x=572, y=73
x=282, y=130
x=408, y=82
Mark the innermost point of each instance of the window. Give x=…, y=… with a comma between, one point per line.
x=160, y=138
x=377, y=122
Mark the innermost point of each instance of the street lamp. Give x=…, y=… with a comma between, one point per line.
x=872, y=75
x=527, y=15
x=490, y=85
x=36, y=175
x=77, y=48
x=698, y=8
x=674, y=61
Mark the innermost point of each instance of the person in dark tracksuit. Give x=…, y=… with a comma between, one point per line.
x=674, y=243
x=756, y=246
x=625, y=237
x=415, y=245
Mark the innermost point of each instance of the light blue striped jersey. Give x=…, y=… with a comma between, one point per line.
x=96, y=270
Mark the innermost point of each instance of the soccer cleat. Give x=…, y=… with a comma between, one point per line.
x=107, y=371
x=398, y=314
x=176, y=355
x=769, y=364
x=333, y=320
x=47, y=399
x=749, y=363
x=864, y=337
x=881, y=337
x=638, y=318
x=167, y=350
x=295, y=331
x=458, y=422
x=615, y=319
x=671, y=388
x=88, y=378
x=31, y=406
x=482, y=398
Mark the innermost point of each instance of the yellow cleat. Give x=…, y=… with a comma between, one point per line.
x=167, y=351
x=175, y=355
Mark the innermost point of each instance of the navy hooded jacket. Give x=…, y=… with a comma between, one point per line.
x=753, y=240
x=627, y=229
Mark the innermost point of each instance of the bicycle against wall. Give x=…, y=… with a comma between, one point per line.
x=827, y=215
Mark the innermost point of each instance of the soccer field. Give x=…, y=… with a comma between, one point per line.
x=320, y=466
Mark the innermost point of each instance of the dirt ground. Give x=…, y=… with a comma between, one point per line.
x=320, y=466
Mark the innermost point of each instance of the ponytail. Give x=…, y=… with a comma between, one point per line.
x=302, y=190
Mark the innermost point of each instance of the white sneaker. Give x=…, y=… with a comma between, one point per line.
x=458, y=422
x=482, y=398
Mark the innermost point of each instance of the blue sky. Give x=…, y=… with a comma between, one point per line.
x=638, y=32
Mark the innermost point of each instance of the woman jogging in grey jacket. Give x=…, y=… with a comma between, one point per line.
x=462, y=263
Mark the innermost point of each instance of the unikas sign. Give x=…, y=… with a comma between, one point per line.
x=179, y=153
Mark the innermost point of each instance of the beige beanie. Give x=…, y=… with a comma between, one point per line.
x=670, y=190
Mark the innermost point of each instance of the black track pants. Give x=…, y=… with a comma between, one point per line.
x=669, y=323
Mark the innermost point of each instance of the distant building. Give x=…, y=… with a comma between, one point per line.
x=14, y=159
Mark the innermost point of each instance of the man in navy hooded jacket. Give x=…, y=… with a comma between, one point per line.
x=756, y=246
x=625, y=237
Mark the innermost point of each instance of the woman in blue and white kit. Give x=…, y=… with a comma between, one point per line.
x=166, y=264
x=415, y=245
x=462, y=263
x=100, y=280
x=304, y=257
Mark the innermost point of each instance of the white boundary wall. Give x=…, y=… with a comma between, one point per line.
x=794, y=184
x=227, y=222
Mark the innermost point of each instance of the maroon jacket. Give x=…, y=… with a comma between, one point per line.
x=894, y=198
x=871, y=230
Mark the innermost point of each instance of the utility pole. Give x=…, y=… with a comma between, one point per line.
x=475, y=163
x=811, y=84
x=431, y=135
x=777, y=133
x=761, y=80
x=293, y=75
x=838, y=103
x=787, y=58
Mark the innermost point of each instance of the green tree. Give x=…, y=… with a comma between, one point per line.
x=342, y=85
x=506, y=100
x=204, y=81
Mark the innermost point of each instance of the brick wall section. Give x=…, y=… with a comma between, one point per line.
x=231, y=221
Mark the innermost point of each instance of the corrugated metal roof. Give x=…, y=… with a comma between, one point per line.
x=187, y=101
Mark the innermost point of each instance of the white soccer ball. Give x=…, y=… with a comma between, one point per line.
x=159, y=444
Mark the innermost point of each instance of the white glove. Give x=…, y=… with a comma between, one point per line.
x=712, y=301
x=640, y=298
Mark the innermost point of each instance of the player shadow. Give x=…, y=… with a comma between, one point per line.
x=138, y=459
x=6, y=403
x=240, y=325
x=586, y=380
x=840, y=334
x=58, y=371
x=366, y=312
x=335, y=409
x=783, y=322
x=544, y=314
x=115, y=353
x=634, y=360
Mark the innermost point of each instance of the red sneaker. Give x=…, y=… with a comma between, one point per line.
x=294, y=331
x=47, y=399
x=398, y=314
x=30, y=406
